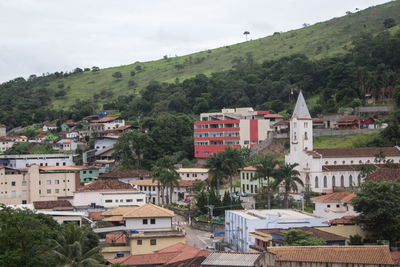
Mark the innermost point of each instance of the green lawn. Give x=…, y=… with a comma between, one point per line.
x=344, y=141
x=321, y=40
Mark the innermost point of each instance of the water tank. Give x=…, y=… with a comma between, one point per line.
x=133, y=231
x=120, y=254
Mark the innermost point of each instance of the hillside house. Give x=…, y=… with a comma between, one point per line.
x=193, y=174
x=335, y=205
x=126, y=176
x=49, y=127
x=110, y=123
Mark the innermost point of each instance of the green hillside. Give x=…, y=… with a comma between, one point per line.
x=321, y=40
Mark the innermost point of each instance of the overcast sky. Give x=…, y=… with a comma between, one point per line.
x=39, y=36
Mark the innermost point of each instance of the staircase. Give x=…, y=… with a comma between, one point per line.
x=261, y=146
x=272, y=146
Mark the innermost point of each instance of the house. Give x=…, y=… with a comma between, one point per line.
x=149, y=229
x=86, y=173
x=334, y=205
x=181, y=194
x=49, y=127
x=72, y=135
x=249, y=184
x=318, y=123
x=126, y=176
x=110, y=123
x=275, y=237
x=3, y=130
x=273, y=118
x=65, y=145
x=324, y=169
x=240, y=223
x=95, y=128
x=6, y=143
x=115, y=215
x=34, y=183
x=230, y=127
x=193, y=173
x=105, y=142
x=341, y=256
x=109, y=194
x=227, y=259
x=177, y=255
x=281, y=126
x=23, y=160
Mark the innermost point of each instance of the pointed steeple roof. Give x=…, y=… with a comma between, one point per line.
x=301, y=110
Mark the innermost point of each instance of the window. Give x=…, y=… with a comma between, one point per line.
x=294, y=136
x=247, y=187
x=333, y=181
x=342, y=181
x=109, y=201
x=187, y=175
x=13, y=194
x=140, y=200
x=121, y=200
x=256, y=189
x=57, y=164
x=23, y=192
x=40, y=191
x=316, y=182
x=359, y=179
x=153, y=242
x=325, y=182
x=246, y=142
x=57, y=191
x=335, y=162
x=23, y=183
x=57, y=181
x=306, y=125
x=244, y=188
x=48, y=181
x=12, y=183
x=326, y=163
x=337, y=205
x=247, y=176
x=153, y=221
x=64, y=164
x=350, y=180
x=84, y=172
x=23, y=201
x=144, y=221
x=48, y=191
x=129, y=200
x=328, y=206
x=343, y=162
x=139, y=242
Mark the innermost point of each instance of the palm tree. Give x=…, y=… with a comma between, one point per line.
x=171, y=179
x=290, y=177
x=231, y=160
x=266, y=172
x=75, y=247
x=214, y=164
x=157, y=176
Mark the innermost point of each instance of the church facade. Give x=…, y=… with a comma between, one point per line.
x=323, y=170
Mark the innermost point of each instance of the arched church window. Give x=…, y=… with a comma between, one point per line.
x=359, y=179
x=350, y=180
x=316, y=182
x=360, y=161
x=334, y=162
x=326, y=163
x=305, y=136
x=333, y=181
x=342, y=181
x=325, y=182
x=343, y=162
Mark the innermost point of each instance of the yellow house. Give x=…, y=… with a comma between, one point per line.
x=148, y=228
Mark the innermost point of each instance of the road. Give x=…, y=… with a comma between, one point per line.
x=194, y=237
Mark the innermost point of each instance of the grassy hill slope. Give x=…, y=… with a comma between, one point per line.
x=317, y=41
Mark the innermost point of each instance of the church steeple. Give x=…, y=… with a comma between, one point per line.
x=301, y=110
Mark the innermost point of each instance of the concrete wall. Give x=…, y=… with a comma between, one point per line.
x=86, y=198
x=333, y=210
x=137, y=223
x=21, y=161
x=345, y=230
x=146, y=247
x=104, y=143
x=118, y=199
x=111, y=252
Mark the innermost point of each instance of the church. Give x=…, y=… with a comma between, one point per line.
x=322, y=170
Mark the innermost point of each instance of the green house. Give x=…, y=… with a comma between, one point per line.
x=89, y=174
x=64, y=127
x=249, y=184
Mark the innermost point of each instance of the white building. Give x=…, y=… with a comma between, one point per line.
x=49, y=127
x=110, y=123
x=5, y=144
x=323, y=169
x=111, y=193
x=105, y=142
x=335, y=205
x=21, y=161
x=192, y=174
x=239, y=223
x=149, y=217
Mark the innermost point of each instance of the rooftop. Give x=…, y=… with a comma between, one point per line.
x=96, y=216
x=149, y=210
x=282, y=213
x=107, y=119
x=315, y=233
x=125, y=174
x=203, y=170
x=332, y=254
x=344, y=220
x=51, y=204
x=357, y=152
x=301, y=110
x=106, y=185
x=335, y=197
x=116, y=239
x=220, y=258
x=385, y=174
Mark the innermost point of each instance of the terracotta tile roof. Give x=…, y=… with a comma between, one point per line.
x=318, y=120
x=396, y=257
x=315, y=233
x=248, y=168
x=384, y=174
x=335, y=197
x=51, y=204
x=51, y=125
x=314, y=154
x=329, y=168
x=107, y=119
x=96, y=216
x=174, y=255
x=118, y=211
x=117, y=218
x=149, y=210
x=332, y=254
x=125, y=174
x=349, y=220
x=268, y=116
x=116, y=239
x=357, y=152
x=185, y=183
x=283, y=123
x=106, y=185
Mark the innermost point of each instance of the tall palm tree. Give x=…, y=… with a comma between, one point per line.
x=290, y=177
x=157, y=176
x=74, y=247
x=231, y=160
x=171, y=179
x=214, y=164
x=266, y=172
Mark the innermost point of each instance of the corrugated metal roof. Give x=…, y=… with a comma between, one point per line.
x=231, y=259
